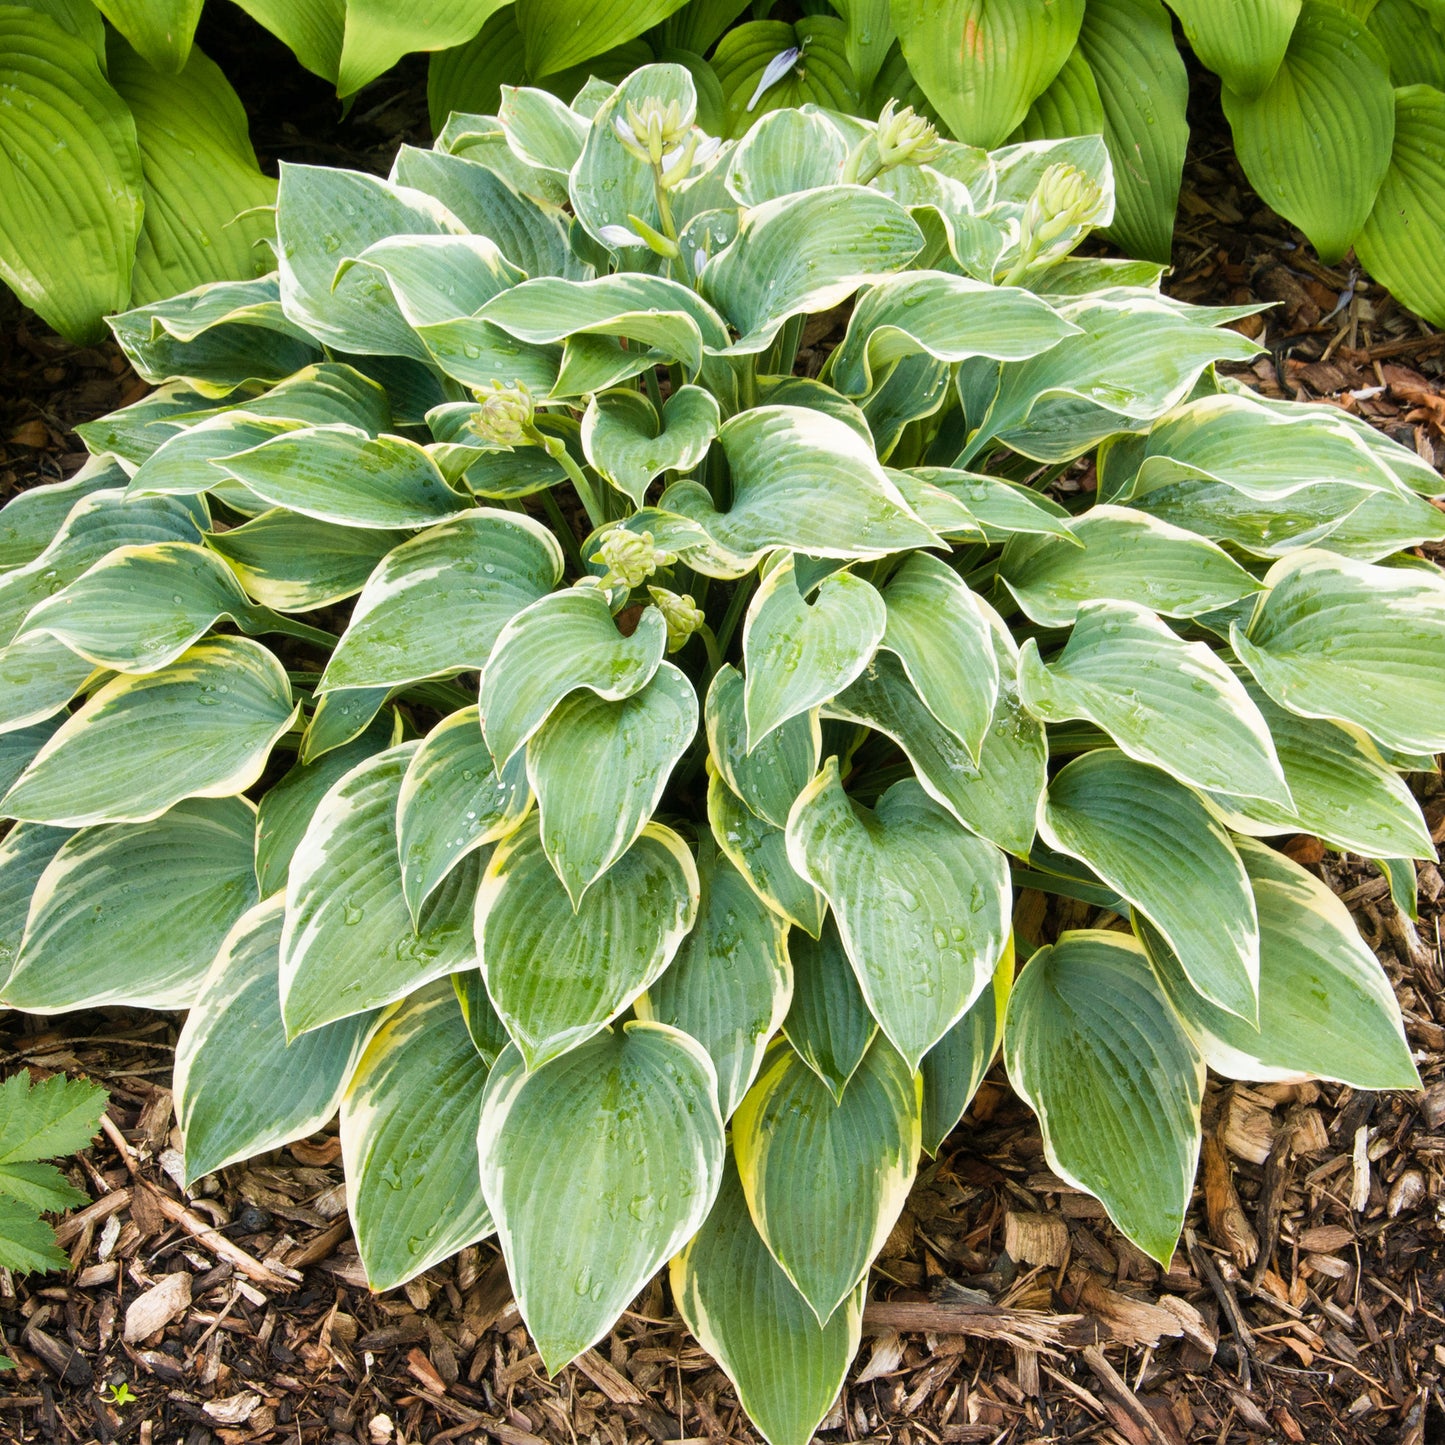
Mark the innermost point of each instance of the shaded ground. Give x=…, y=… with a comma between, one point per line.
x=1307, y=1303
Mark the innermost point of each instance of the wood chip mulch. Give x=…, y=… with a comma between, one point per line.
x=1306, y=1302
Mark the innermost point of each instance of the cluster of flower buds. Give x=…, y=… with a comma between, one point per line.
x=505, y=416
x=630, y=557
x=905, y=138
x=681, y=614
x=1064, y=200
x=663, y=136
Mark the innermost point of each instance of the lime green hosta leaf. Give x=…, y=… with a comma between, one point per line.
x=203, y=726
x=954, y=1067
x=628, y=749
x=408, y=1121
x=826, y=1181
x=1405, y=230
x=759, y=851
x=785, y=152
x=240, y=1089
x=1144, y=834
x=349, y=944
x=1326, y=1008
x=1343, y=792
x=76, y=272
x=1129, y=46
x=1126, y=556
x=25, y=854
x=1070, y=106
x=142, y=607
x=623, y=1137
x=557, y=35
x=1413, y=35
x=1094, y=1047
x=746, y=64
x=749, y=1316
x=438, y=603
x=339, y=474
x=38, y=676
x=161, y=30
x=869, y=39
x=327, y=215
x=729, y=986
x=630, y=445
x=922, y=903
x=996, y=796
x=804, y=481
x=296, y=564
x=770, y=776
x=1166, y=702
x=806, y=253
x=284, y=812
x=205, y=194
x=982, y=62
x=608, y=183
x=452, y=802
x=1354, y=643
x=377, y=34
x=1242, y=43
x=557, y=975
x=134, y=914
x=940, y=632
x=564, y=641
x=1314, y=163
x=312, y=30
x=648, y=309
x=799, y=653
x=948, y=317
x=828, y=1024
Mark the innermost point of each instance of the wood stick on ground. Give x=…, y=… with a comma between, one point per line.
x=1128, y=1401
x=1026, y=1329
x=212, y=1239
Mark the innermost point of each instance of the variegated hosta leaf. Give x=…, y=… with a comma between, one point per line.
x=1000, y=507
x=349, y=944
x=828, y=1023
x=1344, y=640
x=799, y=653
x=25, y=854
x=1341, y=788
x=948, y=317
x=296, y=564
x=1164, y=701
x=438, y=603
x=134, y=914
x=408, y=1122
x=240, y=1088
x=954, y=1067
x=339, y=717
x=30, y=520
x=785, y=152
x=1135, y=359
x=803, y=481
x=749, y=1316
x=1326, y=1008
x=38, y=676
x=19, y=746
x=805, y=253
x=770, y=776
x=631, y=446
x=452, y=802
x=1126, y=556
x=731, y=982
x=1095, y=1048
x=998, y=795
x=562, y=642
x=541, y=130
x=943, y=635
x=623, y=1139
x=759, y=851
x=556, y=974
x=178, y=466
x=825, y=1181
x=324, y=217
x=439, y=278
x=488, y=1034
x=141, y=607
x=922, y=904
x=201, y=727
x=627, y=749
x=339, y=474
x=1155, y=843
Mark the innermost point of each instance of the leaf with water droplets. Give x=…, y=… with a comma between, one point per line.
x=773, y=772
x=631, y=446
x=829, y=1023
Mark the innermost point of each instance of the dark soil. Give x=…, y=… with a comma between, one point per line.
x=1306, y=1304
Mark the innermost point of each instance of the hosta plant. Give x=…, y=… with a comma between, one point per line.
x=571, y=669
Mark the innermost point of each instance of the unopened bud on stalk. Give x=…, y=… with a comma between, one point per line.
x=630, y=557
x=652, y=128
x=1064, y=198
x=681, y=614
x=906, y=138
x=505, y=416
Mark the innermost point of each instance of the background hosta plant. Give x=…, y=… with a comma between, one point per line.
x=569, y=670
